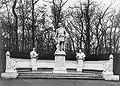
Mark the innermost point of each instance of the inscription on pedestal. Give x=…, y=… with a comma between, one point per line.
x=59, y=63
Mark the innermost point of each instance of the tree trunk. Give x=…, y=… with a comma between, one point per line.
x=23, y=24
x=110, y=41
x=16, y=24
x=33, y=25
x=2, y=58
x=23, y=27
x=87, y=29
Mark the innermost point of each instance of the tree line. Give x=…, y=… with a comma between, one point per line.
x=25, y=24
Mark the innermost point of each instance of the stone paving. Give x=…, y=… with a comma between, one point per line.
x=57, y=82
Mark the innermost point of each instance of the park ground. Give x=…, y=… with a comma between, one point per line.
x=57, y=82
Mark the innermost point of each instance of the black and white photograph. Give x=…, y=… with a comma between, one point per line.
x=59, y=42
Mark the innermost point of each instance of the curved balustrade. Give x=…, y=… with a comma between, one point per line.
x=13, y=63
x=106, y=66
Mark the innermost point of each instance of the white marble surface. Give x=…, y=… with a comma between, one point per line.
x=25, y=63
x=59, y=63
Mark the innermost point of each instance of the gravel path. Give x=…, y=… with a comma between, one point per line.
x=58, y=82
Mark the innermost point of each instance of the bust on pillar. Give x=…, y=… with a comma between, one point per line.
x=80, y=57
x=33, y=56
x=60, y=51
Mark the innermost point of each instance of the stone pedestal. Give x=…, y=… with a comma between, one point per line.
x=80, y=65
x=59, y=66
x=33, y=64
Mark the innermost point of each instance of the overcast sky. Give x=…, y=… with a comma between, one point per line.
x=103, y=3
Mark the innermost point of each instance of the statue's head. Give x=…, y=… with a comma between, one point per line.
x=80, y=50
x=60, y=24
x=34, y=49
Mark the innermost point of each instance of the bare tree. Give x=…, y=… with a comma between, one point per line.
x=89, y=21
x=56, y=9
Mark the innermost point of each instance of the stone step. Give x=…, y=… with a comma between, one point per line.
x=67, y=75
x=48, y=77
x=68, y=70
x=92, y=71
x=61, y=74
x=56, y=77
x=38, y=75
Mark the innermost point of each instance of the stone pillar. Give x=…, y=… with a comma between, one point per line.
x=10, y=63
x=33, y=56
x=33, y=64
x=80, y=64
x=59, y=66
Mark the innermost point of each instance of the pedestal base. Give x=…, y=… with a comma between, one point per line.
x=33, y=64
x=34, y=68
x=80, y=65
x=60, y=62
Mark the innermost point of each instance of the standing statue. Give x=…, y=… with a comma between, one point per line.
x=60, y=38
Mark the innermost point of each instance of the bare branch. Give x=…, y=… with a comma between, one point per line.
x=64, y=3
x=106, y=11
x=36, y=1
x=13, y=8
